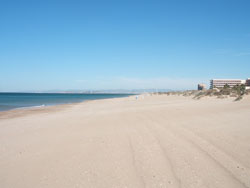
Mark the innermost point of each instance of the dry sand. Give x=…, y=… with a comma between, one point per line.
x=156, y=141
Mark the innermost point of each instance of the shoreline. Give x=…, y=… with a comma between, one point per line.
x=17, y=112
x=22, y=110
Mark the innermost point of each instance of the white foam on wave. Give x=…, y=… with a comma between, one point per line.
x=30, y=107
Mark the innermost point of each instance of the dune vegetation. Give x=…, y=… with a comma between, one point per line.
x=237, y=92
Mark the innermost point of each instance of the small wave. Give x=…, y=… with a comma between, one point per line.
x=28, y=107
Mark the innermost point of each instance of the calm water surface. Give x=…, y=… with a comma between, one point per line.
x=10, y=101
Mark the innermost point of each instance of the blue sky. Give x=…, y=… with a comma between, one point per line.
x=122, y=44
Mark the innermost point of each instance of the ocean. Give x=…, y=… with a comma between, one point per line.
x=9, y=101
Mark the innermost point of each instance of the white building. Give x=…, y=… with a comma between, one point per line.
x=220, y=83
x=202, y=86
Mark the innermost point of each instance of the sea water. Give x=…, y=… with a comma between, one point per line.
x=10, y=101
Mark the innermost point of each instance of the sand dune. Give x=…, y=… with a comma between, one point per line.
x=155, y=141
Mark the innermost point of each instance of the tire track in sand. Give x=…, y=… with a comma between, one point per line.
x=190, y=152
x=149, y=159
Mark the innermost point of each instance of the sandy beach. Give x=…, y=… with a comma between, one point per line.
x=155, y=141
